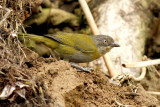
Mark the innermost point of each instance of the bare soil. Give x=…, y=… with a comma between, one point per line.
x=61, y=85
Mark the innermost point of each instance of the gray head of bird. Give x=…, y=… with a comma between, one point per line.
x=104, y=43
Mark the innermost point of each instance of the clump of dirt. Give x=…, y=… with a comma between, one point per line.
x=67, y=87
x=61, y=85
x=97, y=91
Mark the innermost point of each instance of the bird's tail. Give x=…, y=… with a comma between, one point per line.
x=38, y=39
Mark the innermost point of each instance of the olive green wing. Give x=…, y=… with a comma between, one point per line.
x=81, y=42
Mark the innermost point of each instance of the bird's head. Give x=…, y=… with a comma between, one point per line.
x=104, y=43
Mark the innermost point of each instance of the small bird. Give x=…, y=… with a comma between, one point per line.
x=78, y=48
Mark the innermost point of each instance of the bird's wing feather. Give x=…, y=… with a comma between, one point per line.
x=81, y=42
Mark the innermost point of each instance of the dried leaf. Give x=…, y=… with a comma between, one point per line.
x=7, y=91
x=21, y=93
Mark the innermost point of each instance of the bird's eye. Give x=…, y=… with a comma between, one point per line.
x=105, y=41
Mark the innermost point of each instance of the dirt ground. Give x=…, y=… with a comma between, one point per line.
x=57, y=84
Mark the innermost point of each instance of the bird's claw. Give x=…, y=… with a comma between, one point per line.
x=81, y=69
x=86, y=69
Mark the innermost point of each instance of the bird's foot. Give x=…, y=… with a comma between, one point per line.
x=81, y=69
x=85, y=69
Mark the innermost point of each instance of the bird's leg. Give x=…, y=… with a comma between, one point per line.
x=82, y=69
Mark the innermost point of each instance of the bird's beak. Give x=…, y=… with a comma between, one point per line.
x=115, y=45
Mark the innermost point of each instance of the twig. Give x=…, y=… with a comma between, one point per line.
x=19, y=78
x=5, y=16
x=153, y=68
x=142, y=63
x=131, y=94
x=154, y=93
x=143, y=73
x=95, y=31
x=122, y=105
x=2, y=73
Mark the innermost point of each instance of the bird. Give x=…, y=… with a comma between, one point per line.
x=76, y=48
